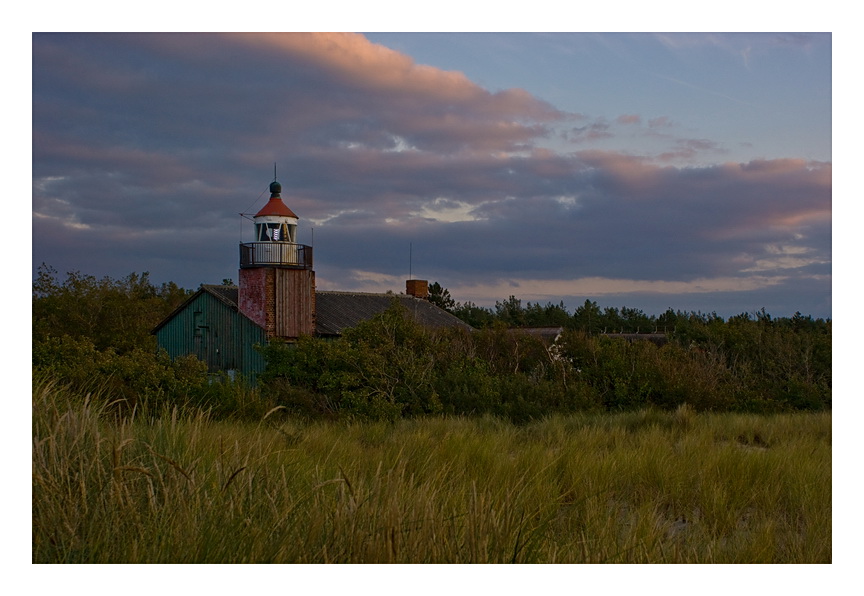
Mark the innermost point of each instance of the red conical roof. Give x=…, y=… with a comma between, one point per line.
x=275, y=206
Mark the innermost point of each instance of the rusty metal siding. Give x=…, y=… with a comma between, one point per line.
x=216, y=334
x=294, y=303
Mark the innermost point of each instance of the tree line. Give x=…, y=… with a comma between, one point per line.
x=89, y=331
x=591, y=318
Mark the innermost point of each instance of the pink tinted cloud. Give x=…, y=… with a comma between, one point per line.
x=689, y=148
x=349, y=91
x=733, y=199
x=355, y=60
x=630, y=173
x=361, y=94
x=629, y=119
x=594, y=131
x=801, y=189
x=112, y=158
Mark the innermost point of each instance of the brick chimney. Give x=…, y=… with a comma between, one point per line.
x=419, y=288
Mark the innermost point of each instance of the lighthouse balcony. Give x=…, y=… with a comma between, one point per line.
x=275, y=254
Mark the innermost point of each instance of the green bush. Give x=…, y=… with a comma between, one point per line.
x=111, y=313
x=466, y=386
x=390, y=367
x=381, y=369
x=137, y=379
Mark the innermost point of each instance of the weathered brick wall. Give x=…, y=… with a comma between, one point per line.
x=270, y=302
x=252, y=295
x=281, y=301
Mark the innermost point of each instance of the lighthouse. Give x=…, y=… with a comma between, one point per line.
x=277, y=282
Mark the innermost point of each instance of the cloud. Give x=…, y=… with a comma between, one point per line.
x=618, y=218
x=594, y=131
x=147, y=147
x=779, y=257
x=660, y=122
x=445, y=210
x=540, y=290
x=429, y=108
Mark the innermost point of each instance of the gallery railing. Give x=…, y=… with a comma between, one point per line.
x=277, y=254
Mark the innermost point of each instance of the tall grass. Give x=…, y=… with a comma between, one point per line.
x=646, y=486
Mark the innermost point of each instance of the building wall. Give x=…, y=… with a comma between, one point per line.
x=216, y=334
x=294, y=303
x=280, y=300
x=252, y=293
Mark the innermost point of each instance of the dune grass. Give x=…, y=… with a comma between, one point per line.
x=638, y=487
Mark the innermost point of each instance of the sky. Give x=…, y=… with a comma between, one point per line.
x=647, y=170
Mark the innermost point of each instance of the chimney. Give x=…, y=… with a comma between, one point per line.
x=419, y=288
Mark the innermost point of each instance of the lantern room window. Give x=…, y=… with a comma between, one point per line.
x=274, y=232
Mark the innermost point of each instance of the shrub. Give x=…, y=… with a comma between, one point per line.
x=389, y=367
x=381, y=369
x=138, y=379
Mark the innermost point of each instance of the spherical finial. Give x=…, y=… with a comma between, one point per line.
x=275, y=188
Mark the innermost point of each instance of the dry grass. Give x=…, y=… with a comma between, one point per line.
x=638, y=487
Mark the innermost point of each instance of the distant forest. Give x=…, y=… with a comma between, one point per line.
x=589, y=317
x=89, y=331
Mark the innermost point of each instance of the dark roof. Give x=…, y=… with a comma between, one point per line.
x=657, y=338
x=548, y=334
x=225, y=294
x=337, y=311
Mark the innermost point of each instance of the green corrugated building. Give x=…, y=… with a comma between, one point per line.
x=210, y=326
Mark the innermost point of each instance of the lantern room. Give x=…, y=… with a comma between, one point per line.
x=275, y=237
x=275, y=222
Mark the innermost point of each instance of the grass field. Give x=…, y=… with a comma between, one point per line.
x=637, y=487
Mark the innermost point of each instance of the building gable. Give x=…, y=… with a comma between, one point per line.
x=209, y=326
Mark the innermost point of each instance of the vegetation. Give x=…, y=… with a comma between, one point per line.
x=116, y=314
x=395, y=443
x=389, y=367
x=645, y=486
x=95, y=334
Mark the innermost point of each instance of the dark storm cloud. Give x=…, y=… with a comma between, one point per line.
x=146, y=147
x=642, y=223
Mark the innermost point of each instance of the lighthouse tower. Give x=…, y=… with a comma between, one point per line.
x=277, y=283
